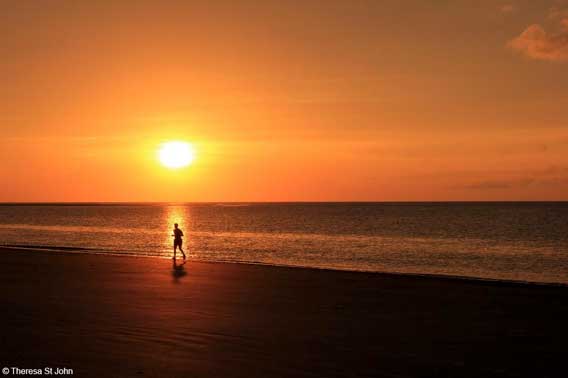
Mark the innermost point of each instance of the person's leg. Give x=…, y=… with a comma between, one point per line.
x=175, y=250
x=182, y=252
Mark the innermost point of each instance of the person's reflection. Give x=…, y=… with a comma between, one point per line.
x=178, y=271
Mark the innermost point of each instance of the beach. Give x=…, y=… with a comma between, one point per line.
x=120, y=316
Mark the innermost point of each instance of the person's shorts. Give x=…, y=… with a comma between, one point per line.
x=178, y=242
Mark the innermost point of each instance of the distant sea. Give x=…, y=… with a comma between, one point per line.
x=499, y=241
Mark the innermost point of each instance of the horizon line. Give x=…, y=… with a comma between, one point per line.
x=266, y=202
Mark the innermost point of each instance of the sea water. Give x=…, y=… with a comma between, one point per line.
x=502, y=241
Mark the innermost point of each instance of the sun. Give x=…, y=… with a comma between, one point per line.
x=176, y=154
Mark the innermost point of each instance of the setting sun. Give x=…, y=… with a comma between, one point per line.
x=176, y=154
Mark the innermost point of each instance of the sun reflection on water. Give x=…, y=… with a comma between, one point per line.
x=174, y=214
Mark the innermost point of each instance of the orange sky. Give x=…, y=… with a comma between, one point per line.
x=284, y=100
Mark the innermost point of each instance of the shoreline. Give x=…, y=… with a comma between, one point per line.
x=96, y=252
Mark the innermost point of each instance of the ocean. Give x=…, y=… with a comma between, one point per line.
x=497, y=241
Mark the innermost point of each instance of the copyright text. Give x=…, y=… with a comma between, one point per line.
x=38, y=371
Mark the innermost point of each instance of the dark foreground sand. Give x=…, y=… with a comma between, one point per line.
x=105, y=316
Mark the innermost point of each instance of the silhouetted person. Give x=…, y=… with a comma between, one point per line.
x=178, y=233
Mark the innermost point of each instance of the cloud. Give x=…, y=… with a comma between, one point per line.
x=536, y=43
x=508, y=8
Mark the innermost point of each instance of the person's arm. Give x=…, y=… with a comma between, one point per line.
x=180, y=233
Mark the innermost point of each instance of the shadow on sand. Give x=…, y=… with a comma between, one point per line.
x=178, y=270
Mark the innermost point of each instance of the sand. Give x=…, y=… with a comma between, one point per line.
x=106, y=316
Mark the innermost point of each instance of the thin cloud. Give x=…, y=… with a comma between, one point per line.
x=501, y=184
x=544, y=178
x=559, y=11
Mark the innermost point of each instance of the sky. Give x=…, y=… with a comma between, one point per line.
x=335, y=100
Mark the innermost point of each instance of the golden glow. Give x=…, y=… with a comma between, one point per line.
x=176, y=154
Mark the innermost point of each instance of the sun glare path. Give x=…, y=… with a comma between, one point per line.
x=176, y=154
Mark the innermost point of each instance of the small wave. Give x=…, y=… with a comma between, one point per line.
x=71, y=249
x=47, y=247
x=86, y=229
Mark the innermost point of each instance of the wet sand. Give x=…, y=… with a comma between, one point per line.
x=140, y=317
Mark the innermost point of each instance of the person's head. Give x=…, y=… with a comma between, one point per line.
x=175, y=225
